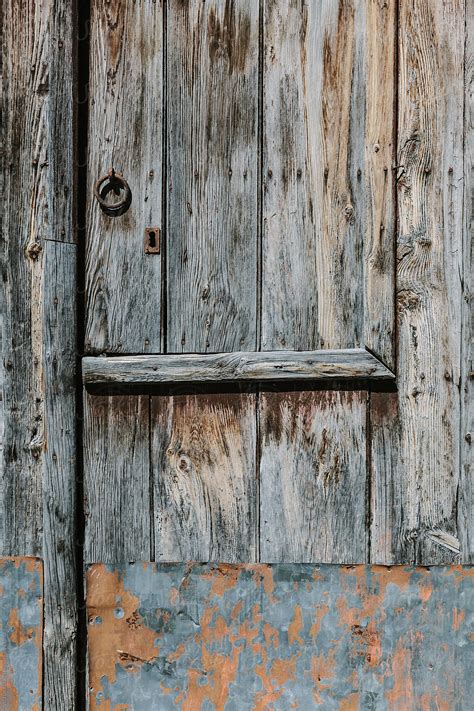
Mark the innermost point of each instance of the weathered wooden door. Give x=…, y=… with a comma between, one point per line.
x=258, y=145
x=273, y=337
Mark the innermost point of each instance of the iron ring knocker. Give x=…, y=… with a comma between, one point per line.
x=113, y=182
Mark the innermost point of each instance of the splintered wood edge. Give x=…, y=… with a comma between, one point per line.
x=347, y=364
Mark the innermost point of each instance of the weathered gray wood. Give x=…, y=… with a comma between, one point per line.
x=59, y=473
x=117, y=478
x=37, y=506
x=466, y=498
x=313, y=477
x=205, y=484
x=123, y=284
x=328, y=119
x=417, y=519
x=212, y=93
x=236, y=367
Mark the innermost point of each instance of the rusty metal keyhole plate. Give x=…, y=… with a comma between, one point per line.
x=113, y=182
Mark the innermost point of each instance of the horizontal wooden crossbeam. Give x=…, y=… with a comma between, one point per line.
x=351, y=363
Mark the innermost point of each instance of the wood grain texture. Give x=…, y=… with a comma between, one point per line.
x=59, y=474
x=212, y=93
x=123, y=284
x=466, y=498
x=116, y=478
x=418, y=523
x=205, y=483
x=313, y=477
x=235, y=367
x=37, y=505
x=328, y=122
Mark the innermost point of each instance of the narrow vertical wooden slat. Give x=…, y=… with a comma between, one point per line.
x=466, y=499
x=313, y=477
x=212, y=94
x=418, y=523
x=39, y=339
x=205, y=487
x=59, y=474
x=116, y=478
x=123, y=284
x=328, y=199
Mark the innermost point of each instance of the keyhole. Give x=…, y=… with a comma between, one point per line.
x=152, y=240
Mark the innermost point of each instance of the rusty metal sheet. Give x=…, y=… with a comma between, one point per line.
x=21, y=634
x=279, y=637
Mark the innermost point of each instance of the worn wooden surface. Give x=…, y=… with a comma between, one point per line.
x=123, y=284
x=212, y=94
x=355, y=363
x=279, y=637
x=21, y=634
x=328, y=141
x=116, y=478
x=466, y=486
x=416, y=454
x=313, y=477
x=203, y=451
x=37, y=506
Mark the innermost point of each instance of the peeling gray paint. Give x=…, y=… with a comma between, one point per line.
x=279, y=637
x=21, y=632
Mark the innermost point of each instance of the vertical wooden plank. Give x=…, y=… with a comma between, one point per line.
x=117, y=478
x=212, y=96
x=59, y=473
x=313, y=477
x=466, y=498
x=203, y=450
x=123, y=284
x=39, y=339
x=419, y=523
x=328, y=201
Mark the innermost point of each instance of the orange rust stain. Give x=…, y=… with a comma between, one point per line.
x=19, y=634
x=426, y=591
x=9, y=697
x=400, y=697
x=322, y=668
x=281, y=671
x=295, y=627
x=271, y=635
x=321, y=612
x=458, y=618
x=118, y=638
x=264, y=573
x=351, y=702
x=224, y=577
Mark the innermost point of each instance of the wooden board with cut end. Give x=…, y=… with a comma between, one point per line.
x=212, y=96
x=415, y=451
x=205, y=481
x=328, y=201
x=221, y=368
x=313, y=477
x=123, y=283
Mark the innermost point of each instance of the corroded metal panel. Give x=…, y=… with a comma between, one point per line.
x=279, y=637
x=21, y=634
